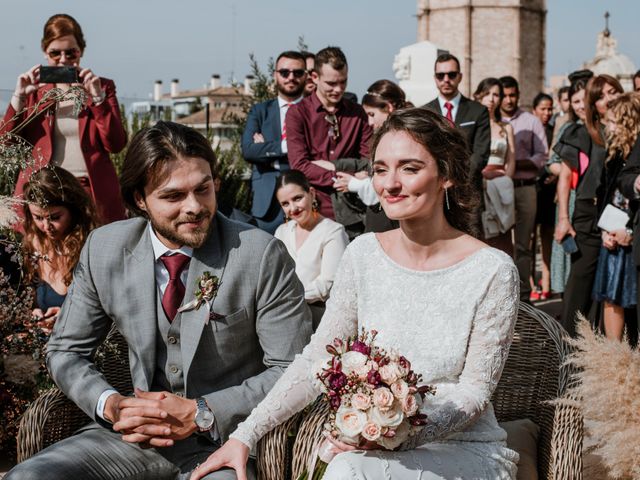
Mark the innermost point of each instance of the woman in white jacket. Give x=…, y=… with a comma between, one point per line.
x=315, y=243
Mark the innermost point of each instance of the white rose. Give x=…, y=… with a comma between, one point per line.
x=391, y=417
x=383, y=398
x=409, y=405
x=362, y=372
x=400, y=389
x=360, y=401
x=351, y=361
x=390, y=373
x=371, y=431
x=400, y=434
x=350, y=421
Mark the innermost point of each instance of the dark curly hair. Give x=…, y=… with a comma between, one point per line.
x=450, y=150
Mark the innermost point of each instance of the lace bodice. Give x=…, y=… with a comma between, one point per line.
x=454, y=324
x=498, y=152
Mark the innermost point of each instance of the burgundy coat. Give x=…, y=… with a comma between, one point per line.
x=101, y=133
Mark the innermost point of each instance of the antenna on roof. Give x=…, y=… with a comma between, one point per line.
x=606, y=32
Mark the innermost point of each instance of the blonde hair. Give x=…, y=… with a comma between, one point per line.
x=626, y=114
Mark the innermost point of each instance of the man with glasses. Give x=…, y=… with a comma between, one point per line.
x=310, y=60
x=264, y=141
x=470, y=116
x=325, y=127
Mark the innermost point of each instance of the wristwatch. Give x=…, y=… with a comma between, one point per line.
x=204, y=416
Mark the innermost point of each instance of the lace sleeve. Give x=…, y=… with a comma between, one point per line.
x=298, y=386
x=457, y=405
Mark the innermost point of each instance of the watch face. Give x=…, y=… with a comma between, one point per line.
x=204, y=418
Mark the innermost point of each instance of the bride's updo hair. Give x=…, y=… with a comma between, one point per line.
x=449, y=148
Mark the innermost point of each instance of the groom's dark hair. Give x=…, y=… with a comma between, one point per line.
x=151, y=150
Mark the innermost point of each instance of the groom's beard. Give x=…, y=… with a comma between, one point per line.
x=195, y=238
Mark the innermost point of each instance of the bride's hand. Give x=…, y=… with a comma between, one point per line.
x=339, y=446
x=233, y=454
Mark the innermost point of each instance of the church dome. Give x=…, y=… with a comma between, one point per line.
x=609, y=61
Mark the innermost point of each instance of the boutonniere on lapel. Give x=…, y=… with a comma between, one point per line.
x=206, y=291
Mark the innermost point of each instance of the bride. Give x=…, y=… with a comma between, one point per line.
x=433, y=291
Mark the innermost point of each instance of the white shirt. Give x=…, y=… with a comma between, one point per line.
x=162, y=279
x=455, y=101
x=364, y=188
x=284, y=107
x=318, y=258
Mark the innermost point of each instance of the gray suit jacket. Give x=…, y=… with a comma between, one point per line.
x=262, y=318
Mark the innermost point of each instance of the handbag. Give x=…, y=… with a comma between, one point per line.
x=613, y=218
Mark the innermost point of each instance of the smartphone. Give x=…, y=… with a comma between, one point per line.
x=58, y=74
x=569, y=244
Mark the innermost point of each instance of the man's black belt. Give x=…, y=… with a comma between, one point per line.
x=524, y=182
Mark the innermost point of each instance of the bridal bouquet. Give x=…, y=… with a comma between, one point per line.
x=373, y=396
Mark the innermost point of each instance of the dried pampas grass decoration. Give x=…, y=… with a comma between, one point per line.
x=609, y=394
x=8, y=214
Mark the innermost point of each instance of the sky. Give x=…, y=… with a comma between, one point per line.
x=136, y=42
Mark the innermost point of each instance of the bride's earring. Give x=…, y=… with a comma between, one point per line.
x=446, y=197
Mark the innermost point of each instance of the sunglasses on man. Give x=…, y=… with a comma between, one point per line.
x=452, y=75
x=285, y=72
x=69, y=53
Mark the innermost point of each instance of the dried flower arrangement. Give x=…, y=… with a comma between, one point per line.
x=23, y=374
x=608, y=392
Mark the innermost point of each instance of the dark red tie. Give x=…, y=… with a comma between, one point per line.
x=449, y=107
x=174, y=291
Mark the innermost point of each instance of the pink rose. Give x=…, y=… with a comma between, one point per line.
x=350, y=421
x=390, y=417
x=390, y=373
x=383, y=398
x=371, y=431
x=360, y=401
x=400, y=389
x=409, y=405
x=393, y=441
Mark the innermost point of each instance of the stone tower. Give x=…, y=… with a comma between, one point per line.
x=491, y=38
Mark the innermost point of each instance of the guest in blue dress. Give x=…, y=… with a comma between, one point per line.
x=58, y=216
x=616, y=280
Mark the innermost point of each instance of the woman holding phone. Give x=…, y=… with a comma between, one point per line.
x=78, y=142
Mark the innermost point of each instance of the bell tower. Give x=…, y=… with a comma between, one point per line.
x=491, y=38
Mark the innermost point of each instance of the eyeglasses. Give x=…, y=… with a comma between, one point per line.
x=334, y=129
x=69, y=53
x=285, y=72
x=452, y=75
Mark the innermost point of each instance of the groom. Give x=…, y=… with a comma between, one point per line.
x=200, y=364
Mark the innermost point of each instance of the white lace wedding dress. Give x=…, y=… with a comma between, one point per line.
x=455, y=325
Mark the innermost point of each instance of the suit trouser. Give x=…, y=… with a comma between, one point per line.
x=578, y=292
x=97, y=453
x=525, y=203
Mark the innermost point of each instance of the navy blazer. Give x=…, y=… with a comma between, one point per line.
x=263, y=118
x=473, y=119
